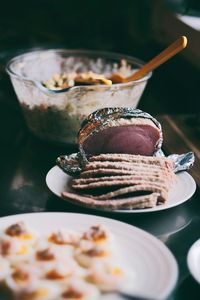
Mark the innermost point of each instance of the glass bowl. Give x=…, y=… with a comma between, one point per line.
x=56, y=115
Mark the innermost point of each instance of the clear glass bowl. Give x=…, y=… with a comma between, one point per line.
x=56, y=115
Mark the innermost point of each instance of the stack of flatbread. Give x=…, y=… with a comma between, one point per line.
x=123, y=181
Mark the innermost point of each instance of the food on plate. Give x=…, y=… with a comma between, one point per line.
x=70, y=79
x=107, y=278
x=97, y=235
x=120, y=164
x=78, y=289
x=52, y=111
x=66, y=80
x=120, y=168
x=120, y=130
x=14, y=250
x=22, y=274
x=21, y=233
x=42, y=290
x=52, y=272
x=123, y=181
x=87, y=254
x=62, y=237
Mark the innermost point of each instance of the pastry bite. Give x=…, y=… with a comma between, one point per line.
x=46, y=254
x=14, y=250
x=22, y=275
x=87, y=253
x=78, y=289
x=96, y=244
x=45, y=258
x=63, y=237
x=43, y=290
x=97, y=235
x=56, y=262
x=62, y=270
x=24, y=282
x=63, y=240
x=20, y=232
x=107, y=277
x=59, y=238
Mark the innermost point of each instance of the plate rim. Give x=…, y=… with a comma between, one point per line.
x=172, y=281
x=143, y=210
x=190, y=258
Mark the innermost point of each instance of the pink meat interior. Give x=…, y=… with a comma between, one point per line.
x=129, y=139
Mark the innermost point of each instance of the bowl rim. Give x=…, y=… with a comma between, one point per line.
x=92, y=53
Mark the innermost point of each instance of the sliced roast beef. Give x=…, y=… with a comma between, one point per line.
x=137, y=181
x=137, y=202
x=120, y=130
x=134, y=136
x=131, y=139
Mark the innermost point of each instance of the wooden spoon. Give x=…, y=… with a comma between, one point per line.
x=158, y=60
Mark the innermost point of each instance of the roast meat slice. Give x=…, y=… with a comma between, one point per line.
x=129, y=139
x=138, y=202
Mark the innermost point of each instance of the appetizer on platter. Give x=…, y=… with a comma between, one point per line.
x=92, y=266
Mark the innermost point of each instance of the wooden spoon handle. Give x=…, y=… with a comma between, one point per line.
x=170, y=51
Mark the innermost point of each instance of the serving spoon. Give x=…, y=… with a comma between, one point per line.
x=158, y=60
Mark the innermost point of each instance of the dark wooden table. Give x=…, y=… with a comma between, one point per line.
x=25, y=162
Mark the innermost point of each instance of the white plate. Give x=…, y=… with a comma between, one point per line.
x=57, y=182
x=193, y=260
x=154, y=267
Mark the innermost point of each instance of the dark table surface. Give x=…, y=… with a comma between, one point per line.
x=25, y=161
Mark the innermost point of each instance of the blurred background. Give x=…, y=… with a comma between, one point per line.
x=141, y=28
